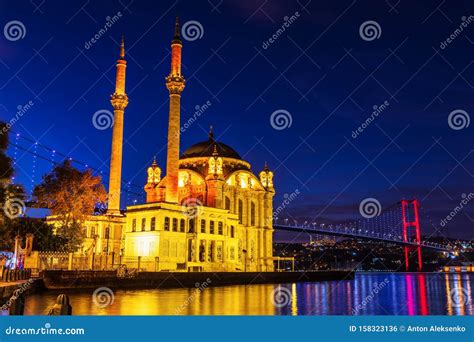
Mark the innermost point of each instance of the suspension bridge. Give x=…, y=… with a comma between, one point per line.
x=399, y=224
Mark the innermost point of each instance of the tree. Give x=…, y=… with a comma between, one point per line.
x=6, y=170
x=11, y=195
x=44, y=237
x=71, y=195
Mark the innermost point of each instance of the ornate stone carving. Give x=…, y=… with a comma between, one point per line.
x=119, y=101
x=175, y=84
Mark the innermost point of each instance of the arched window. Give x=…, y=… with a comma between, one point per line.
x=175, y=224
x=252, y=214
x=134, y=225
x=182, y=225
x=241, y=211
x=202, y=251
x=143, y=224
x=167, y=223
x=192, y=223
x=152, y=223
x=227, y=203
x=211, y=227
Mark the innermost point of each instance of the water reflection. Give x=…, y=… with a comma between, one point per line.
x=367, y=294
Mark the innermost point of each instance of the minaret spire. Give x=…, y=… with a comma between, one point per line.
x=122, y=48
x=119, y=100
x=175, y=84
x=177, y=36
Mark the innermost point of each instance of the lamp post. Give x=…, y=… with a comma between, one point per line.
x=245, y=259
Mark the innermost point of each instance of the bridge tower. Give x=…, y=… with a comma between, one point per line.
x=411, y=229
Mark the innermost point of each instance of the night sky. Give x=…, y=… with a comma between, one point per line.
x=321, y=70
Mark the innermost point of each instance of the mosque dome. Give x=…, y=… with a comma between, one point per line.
x=208, y=147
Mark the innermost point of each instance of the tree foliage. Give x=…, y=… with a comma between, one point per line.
x=44, y=237
x=6, y=170
x=71, y=195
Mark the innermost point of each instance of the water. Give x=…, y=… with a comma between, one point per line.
x=367, y=294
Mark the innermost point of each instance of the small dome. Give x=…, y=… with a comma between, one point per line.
x=206, y=149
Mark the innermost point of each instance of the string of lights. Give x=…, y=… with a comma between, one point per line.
x=37, y=155
x=54, y=152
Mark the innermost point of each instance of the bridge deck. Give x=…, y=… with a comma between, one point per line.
x=349, y=234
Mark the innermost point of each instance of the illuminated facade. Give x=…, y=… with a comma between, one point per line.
x=221, y=220
x=209, y=213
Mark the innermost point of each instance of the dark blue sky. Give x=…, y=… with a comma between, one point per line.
x=319, y=70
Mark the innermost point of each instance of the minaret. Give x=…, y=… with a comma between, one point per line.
x=175, y=84
x=119, y=102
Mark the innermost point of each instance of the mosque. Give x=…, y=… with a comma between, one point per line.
x=208, y=213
